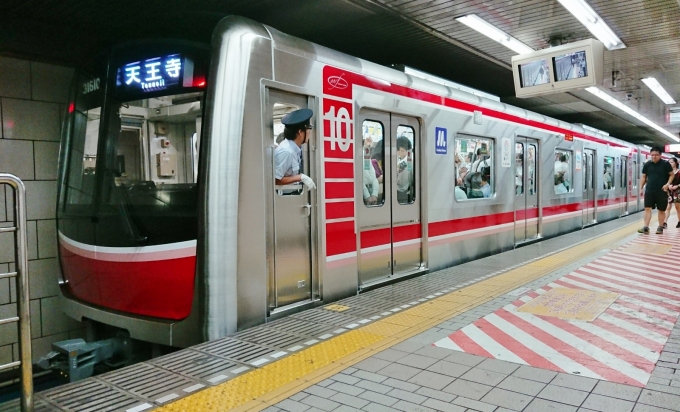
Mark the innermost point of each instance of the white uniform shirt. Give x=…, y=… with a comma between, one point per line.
x=287, y=159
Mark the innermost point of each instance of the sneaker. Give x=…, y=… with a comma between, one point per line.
x=644, y=230
x=665, y=225
x=659, y=230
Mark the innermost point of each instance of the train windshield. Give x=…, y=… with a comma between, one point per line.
x=130, y=164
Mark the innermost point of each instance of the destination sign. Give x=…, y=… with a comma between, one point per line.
x=154, y=74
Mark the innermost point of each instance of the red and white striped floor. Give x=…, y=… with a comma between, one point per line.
x=622, y=345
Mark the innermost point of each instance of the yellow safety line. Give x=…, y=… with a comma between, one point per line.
x=260, y=388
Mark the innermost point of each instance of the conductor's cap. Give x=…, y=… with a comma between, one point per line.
x=299, y=117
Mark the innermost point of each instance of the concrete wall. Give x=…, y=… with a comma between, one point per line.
x=32, y=102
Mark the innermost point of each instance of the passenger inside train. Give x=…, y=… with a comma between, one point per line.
x=562, y=171
x=405, y=189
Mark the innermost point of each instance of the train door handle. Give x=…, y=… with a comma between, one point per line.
x=308, y=210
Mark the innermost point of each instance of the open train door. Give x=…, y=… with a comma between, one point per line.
x=291, y=243
x=526, y=190
x=388, y=206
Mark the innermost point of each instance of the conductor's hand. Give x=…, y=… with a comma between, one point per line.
x=307, y=181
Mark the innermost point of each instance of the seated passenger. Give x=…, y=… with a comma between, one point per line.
x=560, y=188
x=486, y=187
x=476, y=186
x=459, y=193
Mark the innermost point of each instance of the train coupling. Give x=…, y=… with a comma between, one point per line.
x=76, y=359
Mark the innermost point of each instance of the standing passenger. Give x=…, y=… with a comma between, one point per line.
x=288, y=155
x=404, y=171
x=657, y=176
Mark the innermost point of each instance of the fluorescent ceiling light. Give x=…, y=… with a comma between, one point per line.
x=593, y=22
x=476, y=23
x=653, y=84
x=607, y=98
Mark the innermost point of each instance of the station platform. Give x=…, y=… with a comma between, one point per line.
x=587, y=321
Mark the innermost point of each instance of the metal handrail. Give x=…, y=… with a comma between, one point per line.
x=24, y=318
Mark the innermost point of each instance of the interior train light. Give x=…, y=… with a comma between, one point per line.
x=653, y=84
x=593, y=22
x=476, y=23
x=609, y=99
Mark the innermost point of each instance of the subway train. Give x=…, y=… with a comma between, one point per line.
x=172, y=228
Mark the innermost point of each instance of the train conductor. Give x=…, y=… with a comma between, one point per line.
x=288, y=155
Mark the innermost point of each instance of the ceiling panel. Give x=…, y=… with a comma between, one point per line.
x=419, y=33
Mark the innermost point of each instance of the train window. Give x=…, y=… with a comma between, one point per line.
x=563, y=171
x=622, y=176
x=635, y=174
x=477, y=182
x=519, y=169
x=280, y=110
x=531, y=169
x=608, y=176
x=406, y=154
x=81, y=158
x=373, y=161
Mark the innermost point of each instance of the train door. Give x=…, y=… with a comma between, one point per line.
x=291, y=238
x=624, y=186
x=388, y=201
x=589, y=192
x=526, y=189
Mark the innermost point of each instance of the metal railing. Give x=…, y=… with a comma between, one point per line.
x=21, y=274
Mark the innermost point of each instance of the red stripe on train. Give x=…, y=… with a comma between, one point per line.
x=341, y=238
x=339, y=190
x=339, y=210
x=160, y=288
x=336, y=170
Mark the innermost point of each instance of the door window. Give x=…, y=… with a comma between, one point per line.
x=608, y=182
x=531, y=169
x=373, y=161
x=278, y=139
x=519, y=169
x=406, y=154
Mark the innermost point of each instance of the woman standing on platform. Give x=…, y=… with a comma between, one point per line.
x=674, y=192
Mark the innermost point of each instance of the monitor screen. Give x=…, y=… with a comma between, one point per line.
x=570, y=66
x=534, y=73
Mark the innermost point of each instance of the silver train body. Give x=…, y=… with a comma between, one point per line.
x=263, y=251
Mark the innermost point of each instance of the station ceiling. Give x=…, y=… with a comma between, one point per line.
x=422, y=34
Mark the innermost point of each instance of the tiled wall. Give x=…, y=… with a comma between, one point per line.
x=32, y=101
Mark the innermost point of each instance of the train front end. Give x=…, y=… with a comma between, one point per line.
x=128, y=195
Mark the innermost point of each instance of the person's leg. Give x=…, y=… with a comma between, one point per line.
x=648, y=216
x=677, y=212
x=661, y=205
x=662, y=217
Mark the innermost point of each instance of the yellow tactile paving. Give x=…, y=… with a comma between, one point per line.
x=405, y=319
x=259, y=382
x=259, y=388
x=384, y=328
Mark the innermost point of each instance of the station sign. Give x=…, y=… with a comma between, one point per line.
x=672, y=148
